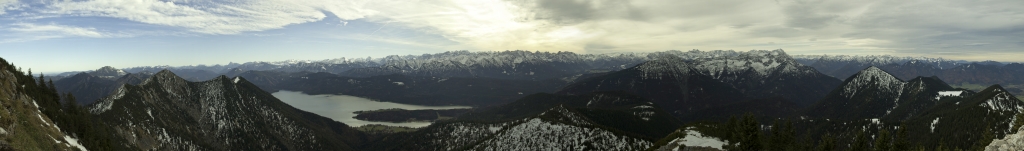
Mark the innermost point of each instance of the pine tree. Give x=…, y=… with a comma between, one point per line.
x=730, y=126
x=773, y=140
x=827, y=143
x=750, y=134
x=808, y=145
x=783, y=136
x=882, y=141
x=985, y=139
x=860, y=142
x=69, y=101
x=51, y=86
x=746, y=135
x=42, y=82
x=901, y=142
x=942, y=146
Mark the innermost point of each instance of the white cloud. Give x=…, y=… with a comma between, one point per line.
x=203, y=17
x=6, y=5
x=58, y=30
x=22, y=32
x=597, y=26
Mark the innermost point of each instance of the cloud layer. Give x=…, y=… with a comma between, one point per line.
x=951, y=28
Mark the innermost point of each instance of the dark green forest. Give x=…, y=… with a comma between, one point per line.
x=73, y=119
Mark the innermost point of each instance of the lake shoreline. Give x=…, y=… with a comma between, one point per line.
x=342, y=108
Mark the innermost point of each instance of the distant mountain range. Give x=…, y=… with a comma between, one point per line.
x=554, y=101
x=690, y=89
x=952, y=71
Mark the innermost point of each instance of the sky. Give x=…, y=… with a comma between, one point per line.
x=77, y=35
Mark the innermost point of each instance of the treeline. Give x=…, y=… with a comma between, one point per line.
x=402, y=115
x=73, y=119
x=747, y=134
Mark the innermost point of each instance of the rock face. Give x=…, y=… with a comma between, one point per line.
x=1012, y=142
x=166, y=112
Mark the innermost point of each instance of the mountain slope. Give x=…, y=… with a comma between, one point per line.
x=23, y=126
x=762, y=74
x=967, y=118
x=868, y=94
x=166, y=112
x=598, y=121
x=88, y=88
x=706, y=86
x=669, y=82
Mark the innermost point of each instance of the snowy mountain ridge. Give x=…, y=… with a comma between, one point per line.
x=108, y=72
x=457, y=61
x=879, y=60
x=1003, y=101
x=761, y=61
x=166, y=112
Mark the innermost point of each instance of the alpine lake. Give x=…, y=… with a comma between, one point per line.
x=341, y=107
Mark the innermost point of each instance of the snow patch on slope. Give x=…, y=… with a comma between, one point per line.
x=74, y=143
x=695, y=138
x=762, y=62
x=664, y=67
x=537, y=134
x=950, y=93
x=873, y=75
x=107, y=103
x=1003, y=102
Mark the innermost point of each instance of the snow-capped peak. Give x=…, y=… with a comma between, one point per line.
x=108, y=72
x=872, y=76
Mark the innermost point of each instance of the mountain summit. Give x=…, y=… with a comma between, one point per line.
x=166, y=112
x=871, y=93
x=871, y=78
x=108, y=72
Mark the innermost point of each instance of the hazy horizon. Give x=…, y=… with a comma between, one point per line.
x=130, y=65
